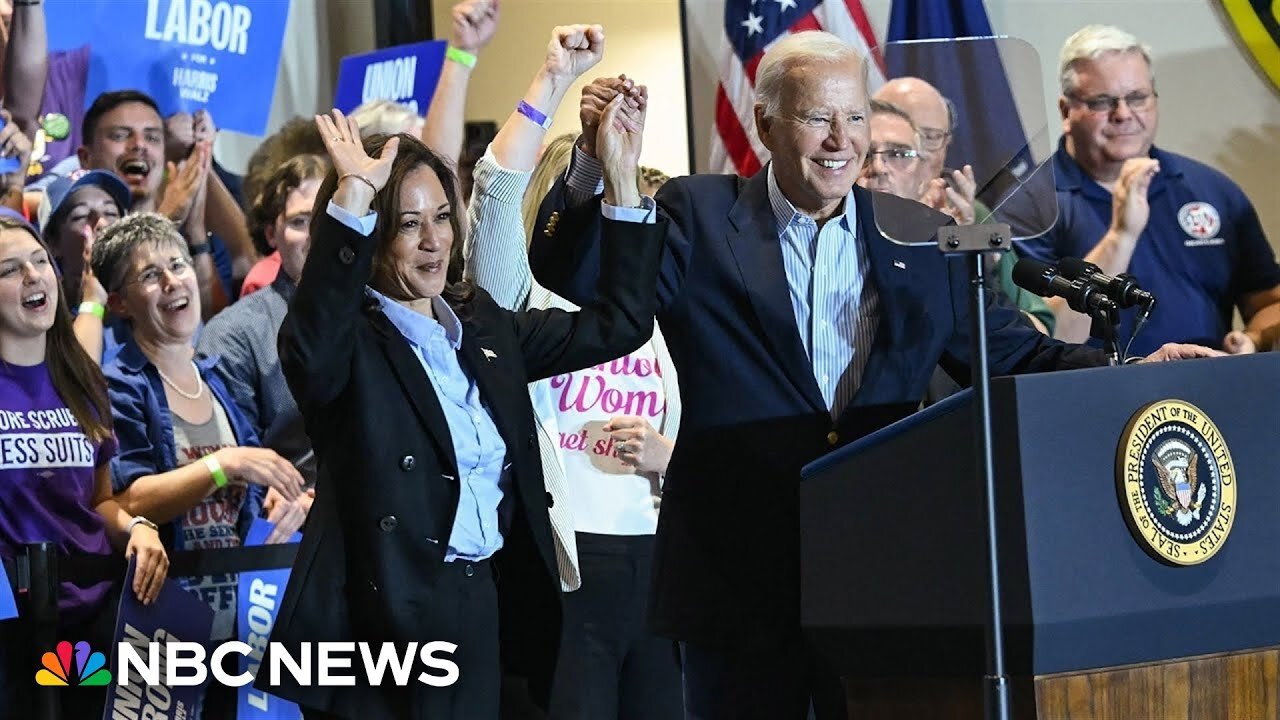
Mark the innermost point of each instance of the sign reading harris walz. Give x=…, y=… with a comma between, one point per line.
x=221, y=55
x=1176, y=483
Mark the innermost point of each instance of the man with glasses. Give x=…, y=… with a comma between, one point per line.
x=934, y=117
x=795, y=327
x=893, y=158
x=896, y=165
x=1185, y=230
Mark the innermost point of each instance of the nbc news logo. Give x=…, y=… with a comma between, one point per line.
x=90, y=666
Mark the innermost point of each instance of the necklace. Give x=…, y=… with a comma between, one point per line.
x=190, y=396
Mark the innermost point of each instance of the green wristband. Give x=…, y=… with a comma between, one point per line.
x=215, y=469
x=460, y=56
x=93, y=308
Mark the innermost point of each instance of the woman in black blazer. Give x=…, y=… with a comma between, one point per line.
x=430, y=521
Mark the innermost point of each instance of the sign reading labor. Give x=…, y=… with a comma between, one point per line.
x=187, y=54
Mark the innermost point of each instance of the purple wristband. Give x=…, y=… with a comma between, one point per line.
x=533, y=114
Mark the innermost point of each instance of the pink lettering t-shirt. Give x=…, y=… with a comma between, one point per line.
x=607, y=496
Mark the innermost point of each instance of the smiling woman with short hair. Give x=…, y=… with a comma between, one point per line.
x=189, y=459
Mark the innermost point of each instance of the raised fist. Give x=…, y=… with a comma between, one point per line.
x=474, y=23
x=574, y=49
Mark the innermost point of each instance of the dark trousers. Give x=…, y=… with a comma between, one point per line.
x=463, y=609
x=776, y=684
x=610, y=665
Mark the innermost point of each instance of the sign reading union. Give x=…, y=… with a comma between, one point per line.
x=1176, y=483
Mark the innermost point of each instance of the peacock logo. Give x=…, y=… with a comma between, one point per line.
x=91, y=666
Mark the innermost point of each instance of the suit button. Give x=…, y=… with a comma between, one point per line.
x=406, y=463
x=469, y=570
x=388, y=523
x=551, y=502
x=832, y=438
x=347, y=255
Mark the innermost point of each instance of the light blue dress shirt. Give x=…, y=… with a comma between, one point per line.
x=480, y=450
x=836, y=306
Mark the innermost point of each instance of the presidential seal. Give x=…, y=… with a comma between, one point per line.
x=1176, y=483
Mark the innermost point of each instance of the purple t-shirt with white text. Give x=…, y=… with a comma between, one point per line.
x=47, y=479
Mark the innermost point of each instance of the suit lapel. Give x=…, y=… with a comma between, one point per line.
x=889, y=283
x=902, y=275
x=753, y=240
x=417, y=388
x=484, y=366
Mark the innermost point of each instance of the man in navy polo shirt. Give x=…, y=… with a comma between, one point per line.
x=1185, y=230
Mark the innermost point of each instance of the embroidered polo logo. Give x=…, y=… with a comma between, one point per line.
x=1200, y=220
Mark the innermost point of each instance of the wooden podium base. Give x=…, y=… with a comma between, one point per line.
x=1231, y=685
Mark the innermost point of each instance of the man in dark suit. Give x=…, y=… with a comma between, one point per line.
x=796, y=328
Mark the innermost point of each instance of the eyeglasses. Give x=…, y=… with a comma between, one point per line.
x=897, y=158
x=178, y=268
x=1136, y=101
x=932, y=139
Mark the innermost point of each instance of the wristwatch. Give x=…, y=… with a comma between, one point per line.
x=139, y=520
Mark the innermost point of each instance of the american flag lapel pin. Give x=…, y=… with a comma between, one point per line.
x=488, y=354
x=899, y=264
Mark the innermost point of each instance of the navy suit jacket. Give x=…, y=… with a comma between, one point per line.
x=726, y=566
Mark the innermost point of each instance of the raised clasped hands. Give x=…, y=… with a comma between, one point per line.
x=597, y=95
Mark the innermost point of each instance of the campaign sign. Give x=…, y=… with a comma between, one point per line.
x=257, y=605
x=8, y=607
x=221, y=55
x=176, y=615
x=405, y=73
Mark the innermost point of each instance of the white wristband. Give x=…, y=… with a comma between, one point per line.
x=139, y=520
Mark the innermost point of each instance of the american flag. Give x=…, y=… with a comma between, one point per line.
x=750, y=27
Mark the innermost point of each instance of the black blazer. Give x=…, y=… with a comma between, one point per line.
x=386, y=491
x=727, y=556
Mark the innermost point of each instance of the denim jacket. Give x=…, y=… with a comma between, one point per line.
x=144, y=428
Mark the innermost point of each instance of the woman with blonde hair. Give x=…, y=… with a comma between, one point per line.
x=605, y=434
x=552, y=164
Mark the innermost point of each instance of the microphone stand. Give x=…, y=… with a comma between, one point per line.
x=973, y=242
x=1105, y=319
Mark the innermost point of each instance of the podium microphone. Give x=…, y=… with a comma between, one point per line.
x=1046, y=281
x=1122, y=289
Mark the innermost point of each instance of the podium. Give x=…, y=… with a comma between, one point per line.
x=893, y=571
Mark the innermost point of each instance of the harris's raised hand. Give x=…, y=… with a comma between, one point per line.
x=360, y=177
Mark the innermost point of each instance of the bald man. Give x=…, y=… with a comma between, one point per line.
x=933, y=118
x=931, y=114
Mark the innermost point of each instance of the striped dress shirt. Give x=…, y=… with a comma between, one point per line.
x=836, y=305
